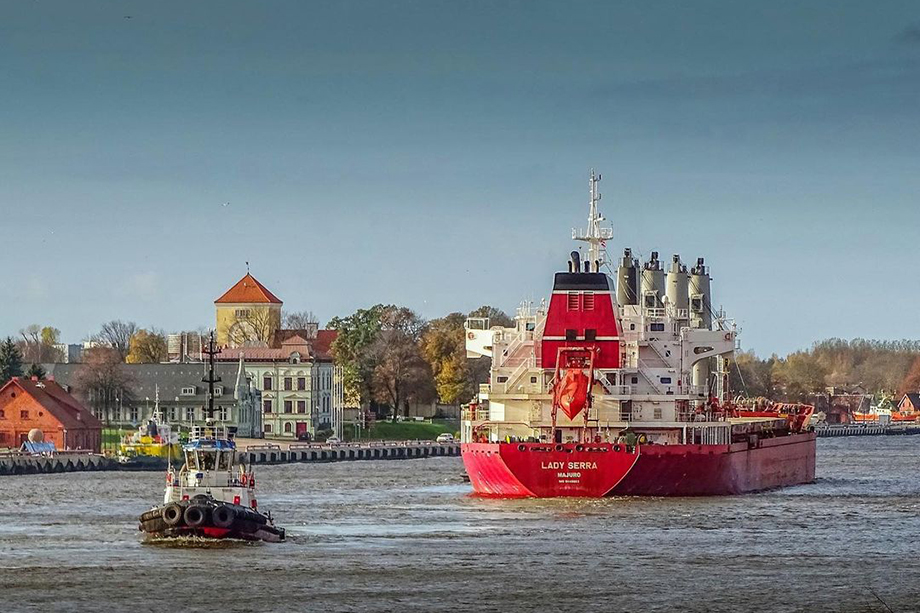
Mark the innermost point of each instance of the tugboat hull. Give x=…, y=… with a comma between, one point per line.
x=209, y=519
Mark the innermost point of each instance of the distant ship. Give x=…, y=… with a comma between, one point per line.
x=213, y=494
x=153, y=443
x=622, y=389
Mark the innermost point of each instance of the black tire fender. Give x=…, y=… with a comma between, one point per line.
x=196, y=515
x=172, y=514
x=223, y=516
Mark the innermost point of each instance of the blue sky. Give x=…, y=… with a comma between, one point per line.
x=435, y=154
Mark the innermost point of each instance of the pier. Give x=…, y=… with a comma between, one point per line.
x=866, y=429
x=19, y=463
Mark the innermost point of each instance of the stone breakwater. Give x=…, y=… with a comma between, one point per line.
x=15, y=463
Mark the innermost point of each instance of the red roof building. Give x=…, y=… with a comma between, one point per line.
x=27, y=404
x=248, y=291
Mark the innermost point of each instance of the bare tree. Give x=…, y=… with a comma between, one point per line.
x=117, y=335
x=300, y=320
x=102, y=382
x=256, y=329
x=38, y=344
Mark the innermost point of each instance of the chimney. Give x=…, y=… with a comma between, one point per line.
x=34, y=378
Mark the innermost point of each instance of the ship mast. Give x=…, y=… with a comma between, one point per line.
x=210, y=379
x=595, y=235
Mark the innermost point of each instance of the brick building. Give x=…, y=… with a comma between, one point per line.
x=29, y=403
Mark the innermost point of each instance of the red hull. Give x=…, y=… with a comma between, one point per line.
x=596, y=470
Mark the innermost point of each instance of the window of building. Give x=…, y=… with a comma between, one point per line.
x=188, y=391
x=288, y=383
x=288, y=427
x=266, y=383
x=572, y=302
x=190, y=414
x=2, y=414
x=301, y=383
x=590, y=335
x=267, y=405
x=301, y=406
x=223, y=413
x=288, y=406
x=295, y=357
x=172, y=414
x=267, y=428
x=243, y=313
x=588, y=301
x=23, y=415
x=571, y=335
x=218, y=390
x=656, y=327
x=134, y=414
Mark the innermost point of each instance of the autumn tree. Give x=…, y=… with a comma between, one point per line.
x=752, y=376
x=116, y=334
x=496, y=316
x=147, y=347
x=103, y=383
x=911, y=382
x=799, y=376
x=38, y=344
x=10, y=361
x=399, y=372
x=444, y=347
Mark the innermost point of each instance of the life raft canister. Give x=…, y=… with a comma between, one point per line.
x=572, y=392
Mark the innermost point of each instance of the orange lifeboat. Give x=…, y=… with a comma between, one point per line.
x=571, y=393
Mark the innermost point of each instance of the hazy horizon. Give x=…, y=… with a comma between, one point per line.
x=436, y=155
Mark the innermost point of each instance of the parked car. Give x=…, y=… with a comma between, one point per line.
x=445, y=437
x=333, y=440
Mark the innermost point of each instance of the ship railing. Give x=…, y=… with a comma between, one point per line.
x=512, y=348
x=680, y=313
x=655, y=313
x=475, y=414
x=484, y=388
x=518, y=372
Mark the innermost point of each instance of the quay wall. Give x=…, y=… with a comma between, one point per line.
x=865, y=430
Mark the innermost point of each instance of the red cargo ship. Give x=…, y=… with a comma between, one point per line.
x=621, y=389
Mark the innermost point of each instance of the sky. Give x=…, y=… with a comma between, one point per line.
x=436, y=155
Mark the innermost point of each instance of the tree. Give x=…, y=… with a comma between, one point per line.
x=300, y=320
x=255, y=329
x=799, y=376
x=36, y=371
x=38, y=344
x=117, y=334
x=102, y=382
x=911, y=382
x=147, y=347
x=444, y=347
x=497, y=317
x=356, y=333
x=751, y=376
x=400, y=373
x=10, y=361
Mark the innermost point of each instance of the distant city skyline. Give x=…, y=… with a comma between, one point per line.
x=436, y=155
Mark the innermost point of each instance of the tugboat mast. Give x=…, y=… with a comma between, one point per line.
x=595, y=235
x=211, y=379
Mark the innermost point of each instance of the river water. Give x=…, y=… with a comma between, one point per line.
x=407, y=536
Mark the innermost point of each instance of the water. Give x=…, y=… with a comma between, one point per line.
x=406, y=536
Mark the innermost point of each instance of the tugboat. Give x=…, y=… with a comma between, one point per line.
x=213, y=494
x=151, y=445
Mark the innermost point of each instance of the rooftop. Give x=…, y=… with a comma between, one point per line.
x=248, y=290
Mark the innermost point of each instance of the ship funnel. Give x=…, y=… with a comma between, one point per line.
x=678, y=290
x=627, y=279
x=576, y=262
x=652, y=285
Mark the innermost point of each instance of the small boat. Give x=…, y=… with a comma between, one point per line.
x=151, y=445
x=213, y=494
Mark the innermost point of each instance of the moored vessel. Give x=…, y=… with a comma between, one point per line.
x=622, y=389
x=212, y=495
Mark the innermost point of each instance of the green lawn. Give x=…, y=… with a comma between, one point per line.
x=113, y=436
x=405, y=430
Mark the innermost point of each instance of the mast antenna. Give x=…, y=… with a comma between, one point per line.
x=211, y=379
x=596, y=234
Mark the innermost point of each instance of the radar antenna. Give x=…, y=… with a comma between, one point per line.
x=211, y=351
x=596, y=235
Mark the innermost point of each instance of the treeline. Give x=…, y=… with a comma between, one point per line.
x=392, y=357
x=881, y=367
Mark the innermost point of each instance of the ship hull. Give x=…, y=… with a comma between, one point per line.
x=515, y=470
x=204, y=521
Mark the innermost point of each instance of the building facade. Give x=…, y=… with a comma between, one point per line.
x=247, y=315
x=27, y=404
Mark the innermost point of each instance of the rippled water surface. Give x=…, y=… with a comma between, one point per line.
x=407, y=536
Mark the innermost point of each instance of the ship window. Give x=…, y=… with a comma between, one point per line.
x=571, y=335
x=589, y=301
x=590, y=335
x=500, y=380
x=665, y=380
x=697, y=305
x=657, y=413
x=632, y=326
x=530, y=326
x=533, y=379
x=659, y=327
x=650, y=301
x=635, y=380
x=573, y=301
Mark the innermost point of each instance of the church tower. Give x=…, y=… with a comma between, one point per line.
x=248, y=315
